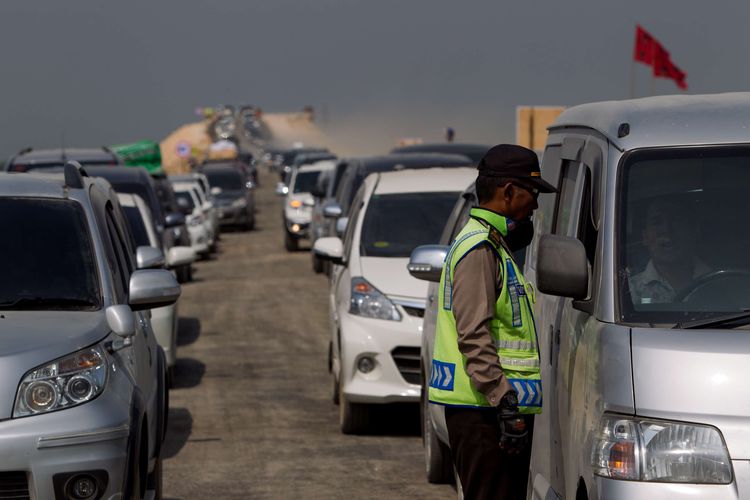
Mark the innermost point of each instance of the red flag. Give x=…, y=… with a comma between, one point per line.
x=644, y=46
x=649, y=51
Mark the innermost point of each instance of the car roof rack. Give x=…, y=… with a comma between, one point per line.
x=74, y=174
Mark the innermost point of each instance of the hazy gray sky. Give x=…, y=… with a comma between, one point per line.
x=109, y=72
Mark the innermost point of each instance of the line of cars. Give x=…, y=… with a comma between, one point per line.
x=89, y=313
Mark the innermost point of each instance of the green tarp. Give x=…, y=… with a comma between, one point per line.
x=140, y=154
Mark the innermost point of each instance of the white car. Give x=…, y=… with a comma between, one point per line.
x=163, y=319
x=199, y=227
x=376, y=306
x=299, y=202
x=200, y=181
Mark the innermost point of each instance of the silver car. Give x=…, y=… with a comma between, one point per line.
x=83, y=400
x=642, y=306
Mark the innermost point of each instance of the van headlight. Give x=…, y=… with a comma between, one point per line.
x=63, y=383
x=660, y=451
x=369, y=302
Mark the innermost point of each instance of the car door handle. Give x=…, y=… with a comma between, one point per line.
x=431, y=299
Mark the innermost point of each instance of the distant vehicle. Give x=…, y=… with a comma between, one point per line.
x=359, y=168
x=201, y=238
x=324, y=192
x=285, y=157
x=208, y=202
x=52, y=160
x=83, y=402
x=168, y=202
x=474, y=152
x=376, y=307
x=136, y=180
x=305, y=159
x=299, y=203
x=233, y=191
x=163, y=319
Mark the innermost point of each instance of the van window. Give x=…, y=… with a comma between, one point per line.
x=551, y=166
x=568, y=201
x=682, y=241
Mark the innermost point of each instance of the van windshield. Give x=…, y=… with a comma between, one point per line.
x=304, y=182
x=683, y=243
x=395, y=224
x=46, y=256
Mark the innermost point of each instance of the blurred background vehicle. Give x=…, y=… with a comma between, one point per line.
x=299, y=203
x=197, y=222
x=474, y=152
x=53, y=160
x=233, y=191
x=323, y=192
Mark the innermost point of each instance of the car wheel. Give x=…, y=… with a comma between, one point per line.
x=354, y=418
x=290, y=242
x=154, y=481
x=439, y=466
x=250, y=224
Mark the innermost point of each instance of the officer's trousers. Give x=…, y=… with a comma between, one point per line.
x=485, y=471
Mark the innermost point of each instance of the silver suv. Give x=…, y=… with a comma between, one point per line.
x=83, y=400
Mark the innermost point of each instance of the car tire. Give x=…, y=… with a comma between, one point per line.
x=438, y=462
x=154, y=482
x=250, y=224
x=335, y=396
x=290, y=242
x=354, y=418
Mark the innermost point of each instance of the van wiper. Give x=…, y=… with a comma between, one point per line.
x=32, y=302
x=732, y=320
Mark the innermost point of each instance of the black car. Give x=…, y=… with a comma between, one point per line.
x=475, y=152
x=136, y=180
x=53, y=160
x=232, y=188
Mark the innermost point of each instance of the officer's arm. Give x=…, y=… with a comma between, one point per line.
x=476, y=283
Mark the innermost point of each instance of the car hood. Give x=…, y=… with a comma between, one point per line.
x=390, y=276
x=695, y=376
x=227, y=197
x=29, y=339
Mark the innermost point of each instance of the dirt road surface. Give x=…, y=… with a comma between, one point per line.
x=251, y=413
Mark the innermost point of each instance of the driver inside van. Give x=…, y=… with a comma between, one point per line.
x=670, y=236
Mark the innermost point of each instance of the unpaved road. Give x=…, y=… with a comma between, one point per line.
x=251, y=413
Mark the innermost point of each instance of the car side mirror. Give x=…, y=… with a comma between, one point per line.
x=318, y=192
x=120, y=320
x=427, y=261
x=308, y=202
x=149, y=258
x=332, y=210
x=341, y=226
x=330, y=249
x=151, y=288
x=281, y=189
x=180, y=256
x=562, y=267
x=174, y=219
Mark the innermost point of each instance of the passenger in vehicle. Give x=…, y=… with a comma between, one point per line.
x=670, y=235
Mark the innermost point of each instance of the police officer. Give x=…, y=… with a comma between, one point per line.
x=485, y=367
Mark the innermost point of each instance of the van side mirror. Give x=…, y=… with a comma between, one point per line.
x=149, y=258
x=332, y=210
x=341, y=226
x=330, y=249
x=562, y=267
x=151, y=288
x=427, y=261
x=174, y=219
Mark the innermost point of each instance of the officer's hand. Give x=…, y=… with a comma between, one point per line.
x=513, y=432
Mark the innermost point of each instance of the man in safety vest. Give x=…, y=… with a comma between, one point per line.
x=485, y=365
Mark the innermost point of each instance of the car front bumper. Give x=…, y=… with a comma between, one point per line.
x=89, y=437
x=229, y=215
x=394, y=345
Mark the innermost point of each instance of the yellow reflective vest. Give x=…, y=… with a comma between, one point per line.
x=512, y=327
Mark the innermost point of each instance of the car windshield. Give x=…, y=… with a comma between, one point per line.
x=228, y=180
x=395, y=224
x=137, y=227
x=185, y=200
x=682, y=243
x=46, y=256
x=304, y=182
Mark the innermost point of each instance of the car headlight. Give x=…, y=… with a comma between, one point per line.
x=239, y=203
x=661, y=451
x=63, y=383
x=369, y=302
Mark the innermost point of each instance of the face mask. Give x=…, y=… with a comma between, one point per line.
x=520, y=234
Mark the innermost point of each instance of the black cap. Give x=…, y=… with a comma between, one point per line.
x=516, y=162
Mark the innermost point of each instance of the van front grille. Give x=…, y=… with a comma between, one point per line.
x=14, y=486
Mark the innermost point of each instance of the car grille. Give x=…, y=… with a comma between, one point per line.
x=14, y=486
x=414, y=311
x=408, y=362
